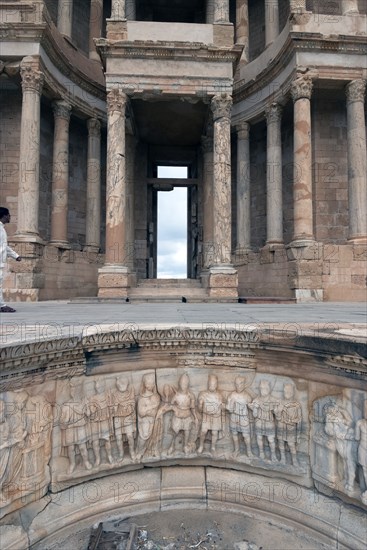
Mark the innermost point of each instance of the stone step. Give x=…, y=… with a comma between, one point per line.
x=168, y=291
x=266, y=300
x=164, y=283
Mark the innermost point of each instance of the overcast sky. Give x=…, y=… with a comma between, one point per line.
x=172, y=228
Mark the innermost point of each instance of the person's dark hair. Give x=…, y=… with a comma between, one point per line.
x=3, y=212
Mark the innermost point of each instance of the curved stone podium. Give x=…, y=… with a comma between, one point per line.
x=264, y=422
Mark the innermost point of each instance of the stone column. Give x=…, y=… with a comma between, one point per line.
x=350, y=6
x=221, y=11
x=60, y=175
x=242, y=28
x=357, y=161
x=243, y=241
x=65, y=17
x=274, y=203
x=207, y=150
x=131, y=10
x=93, y=222
x=113, y=277
x=29, y=154
x=223, y=279
x=301, y=91
x=118, y=10
x=271, y=21
x=209, y=19
x=95, y=26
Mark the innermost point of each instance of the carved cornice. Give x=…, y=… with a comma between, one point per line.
x=273, y=113
x=356, y=90
x=94, y=127
x=32, y=78
x=302, y=88
x=221, y=106
x=61, y=109
x=116, y=101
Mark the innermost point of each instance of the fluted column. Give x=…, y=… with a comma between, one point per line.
x=357, y=161
x=93, y=221
x=350, y=6
x=221, y=107
x=242, y=28
x=271, y=21
x=29, y=154
x=118, y=10
x=221, y=11
x=274, y=203
x=243, y=240
x=207, y=150
x=95, y=26
x=60, y=175
x=65, y=17
x=301, y=91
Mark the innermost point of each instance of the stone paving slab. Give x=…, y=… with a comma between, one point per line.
x=56, y=319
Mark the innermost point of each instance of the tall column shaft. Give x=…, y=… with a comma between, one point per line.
x=242, y=28
x=221, y=11
x=350, y=6
x=243, y=240
x=207, y=149
x=209, y=11
x=95, y=26
x=271, y=21
x=93, y=221
x=60, y=174
x=29, y=154
x=65, y=17
x=357, y=160
x=131, y=10
x=116, y=179
x=221, y=107
x=118, y=10
x=274, y=200
x=302, y=175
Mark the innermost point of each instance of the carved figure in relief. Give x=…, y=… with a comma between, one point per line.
x=338, y=425
x=288, y=414
x=39, y=422
x=263, y=409
x=210, y=404
x=13, y=428
x=184, y=413
x=100, y=421
x=361, y=436
x=124, y=415
x=147, y=407
x=239, y=421
x=74, y=428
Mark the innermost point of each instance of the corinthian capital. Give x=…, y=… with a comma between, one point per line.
x=302, y=88
x=32, y=79
x=116, y=101
x=221, y=106
x=273, y=113
x=356, y=90
x=61, y=109
x=94, y=127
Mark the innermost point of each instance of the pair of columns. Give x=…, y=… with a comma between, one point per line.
x=65, y=22
x=28, y=193
x=301, y=91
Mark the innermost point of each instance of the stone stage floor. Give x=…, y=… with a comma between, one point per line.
x=55, y=319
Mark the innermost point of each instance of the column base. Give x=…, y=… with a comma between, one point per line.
x=306, y=295
x=223, y=282
x=113, y=281
x=358, y=240
x=273, y=245
x=91, y=248
x=60, y=244
x=28, y=238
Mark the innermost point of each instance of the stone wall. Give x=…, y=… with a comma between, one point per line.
x=52, y=9
x=256, y=28
x=78, y=151
x=258, y=184
x=80, y=30
x=10, y=115
x=46, y=161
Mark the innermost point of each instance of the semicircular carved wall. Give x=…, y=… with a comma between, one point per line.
x=210, y=413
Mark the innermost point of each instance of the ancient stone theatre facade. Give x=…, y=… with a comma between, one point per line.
x=262, y=102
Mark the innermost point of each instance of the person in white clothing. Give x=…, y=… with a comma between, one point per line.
x=5, y=252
